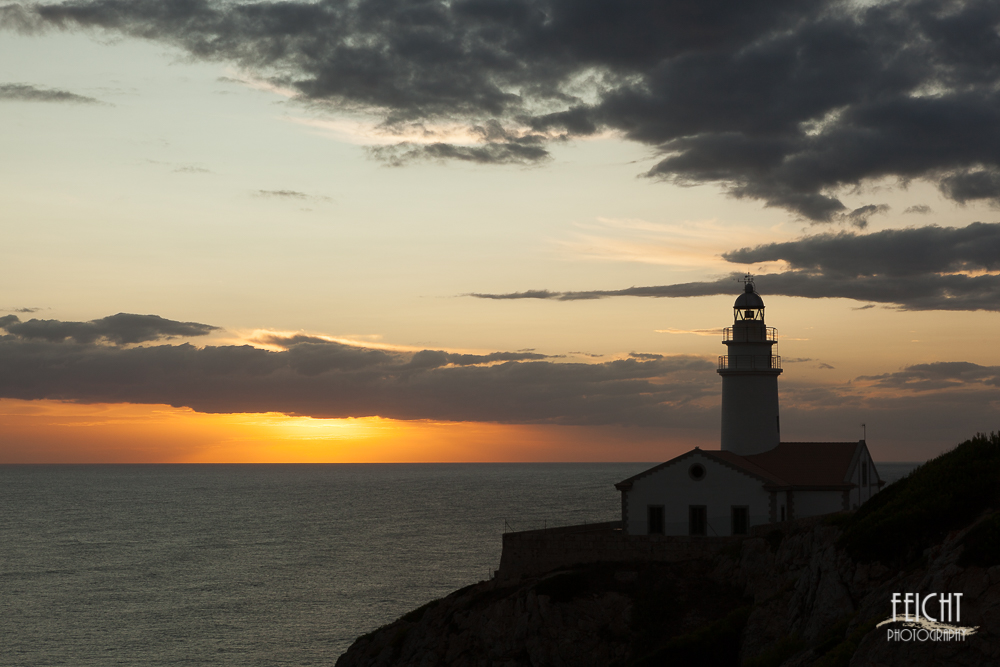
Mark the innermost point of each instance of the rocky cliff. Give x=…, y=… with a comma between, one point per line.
x=808, y=593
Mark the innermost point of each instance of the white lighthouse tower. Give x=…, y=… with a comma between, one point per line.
x=750, y=373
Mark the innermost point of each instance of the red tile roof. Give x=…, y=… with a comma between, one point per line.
x=809, y=463
x=745, y=465
x=790, y=464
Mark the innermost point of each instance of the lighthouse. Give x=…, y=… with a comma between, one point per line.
x=754, y=479
x=750, y=370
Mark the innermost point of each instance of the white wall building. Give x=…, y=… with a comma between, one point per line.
x=755, y=478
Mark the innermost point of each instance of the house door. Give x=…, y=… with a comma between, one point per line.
x=697, y=520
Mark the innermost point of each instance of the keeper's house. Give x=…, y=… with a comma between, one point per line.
x=755, y=478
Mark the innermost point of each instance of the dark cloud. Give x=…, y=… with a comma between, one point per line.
x=913, y=269
x=319, y=378
x=120, y=329
x=788, y=102
x=892, y=252
x=859, y=216
x=968, y=185
x=937, y=376
x=399, y=155
x=22, y=92
x=922, y=209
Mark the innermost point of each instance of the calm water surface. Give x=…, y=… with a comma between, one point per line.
x=257, y=564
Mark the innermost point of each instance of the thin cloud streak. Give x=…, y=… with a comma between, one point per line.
x=291, y=195
x=926, y=268
x=23, y=92
x=695, y=332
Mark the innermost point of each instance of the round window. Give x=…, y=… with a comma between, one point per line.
x=697, y=472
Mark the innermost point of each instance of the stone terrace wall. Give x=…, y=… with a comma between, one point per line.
x=534, y=552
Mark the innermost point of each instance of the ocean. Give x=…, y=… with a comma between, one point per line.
x=259, y=564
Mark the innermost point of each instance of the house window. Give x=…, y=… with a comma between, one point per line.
x=782, y=512
x=697, y=520
x=697, y=472
x=864, y=474
x=654, y=519
x=741, y=520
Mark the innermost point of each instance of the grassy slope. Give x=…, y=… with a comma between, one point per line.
x=945, y=494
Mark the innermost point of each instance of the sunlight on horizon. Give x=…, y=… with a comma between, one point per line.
x=48, y=431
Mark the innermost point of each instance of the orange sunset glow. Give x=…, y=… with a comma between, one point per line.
x=59, y=432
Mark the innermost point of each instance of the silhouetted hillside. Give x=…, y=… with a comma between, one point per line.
x=945, y=494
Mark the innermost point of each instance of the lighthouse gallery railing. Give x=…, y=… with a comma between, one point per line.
x=749, y=362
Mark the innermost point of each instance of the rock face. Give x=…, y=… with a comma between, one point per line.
x=599, y=615
x=814, y=605
x=791, y=598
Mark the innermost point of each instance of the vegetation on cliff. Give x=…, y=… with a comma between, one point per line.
x=945, y=494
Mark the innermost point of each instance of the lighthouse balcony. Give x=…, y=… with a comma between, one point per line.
x=750, y=334
x=749, y=362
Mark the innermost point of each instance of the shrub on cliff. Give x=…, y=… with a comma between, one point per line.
x=982, y=544
x=944, y=494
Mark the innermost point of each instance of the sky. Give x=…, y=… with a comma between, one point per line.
x=487, y=230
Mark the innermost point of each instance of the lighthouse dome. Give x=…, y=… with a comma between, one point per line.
x=749, y=300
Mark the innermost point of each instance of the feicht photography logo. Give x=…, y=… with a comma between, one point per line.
x=933, y=617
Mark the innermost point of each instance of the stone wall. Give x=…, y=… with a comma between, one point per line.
x=536, y=551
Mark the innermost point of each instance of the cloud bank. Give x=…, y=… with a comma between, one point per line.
x=789, y=102
x=918, y=407
x=320, y=378
x=926, y=268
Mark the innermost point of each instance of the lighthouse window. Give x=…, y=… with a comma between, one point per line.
x=697, y=472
